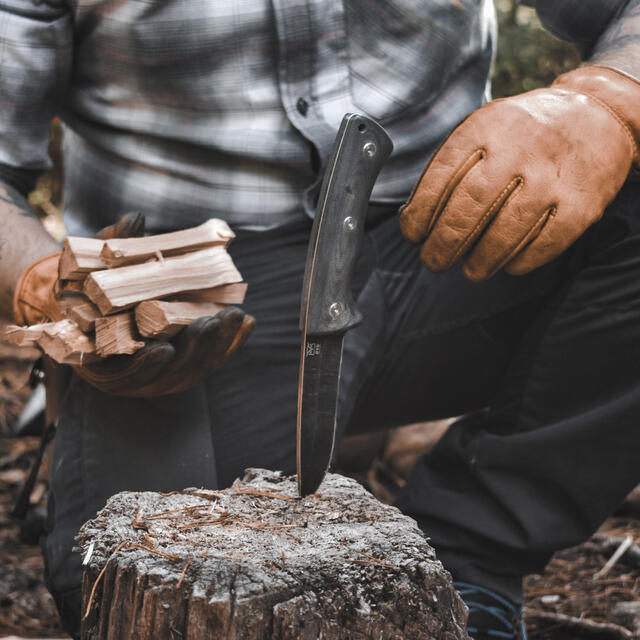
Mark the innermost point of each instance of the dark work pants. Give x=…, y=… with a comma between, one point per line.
x=545, y=366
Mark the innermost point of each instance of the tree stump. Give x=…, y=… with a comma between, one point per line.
x=256, y=562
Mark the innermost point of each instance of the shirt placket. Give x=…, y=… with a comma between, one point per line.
x=313, y=69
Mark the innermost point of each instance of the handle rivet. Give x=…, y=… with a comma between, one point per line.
x=349, y=223
x=370, y=149
x=335, y=310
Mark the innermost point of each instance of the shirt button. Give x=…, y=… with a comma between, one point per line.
x=302, y=106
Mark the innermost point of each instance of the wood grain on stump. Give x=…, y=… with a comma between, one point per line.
x=255, y=562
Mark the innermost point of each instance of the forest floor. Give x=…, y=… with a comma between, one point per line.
x=574, y=598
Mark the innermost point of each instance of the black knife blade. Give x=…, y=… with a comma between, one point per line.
x=327, y=310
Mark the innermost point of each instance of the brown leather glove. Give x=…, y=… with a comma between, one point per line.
x=519, y=180
x=34, y=298
x=163, y=367
x=160, y=367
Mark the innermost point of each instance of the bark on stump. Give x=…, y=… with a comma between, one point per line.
x=255, y=562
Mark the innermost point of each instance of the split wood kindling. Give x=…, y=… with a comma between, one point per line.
x=118, y=252
x=164, y=319
x=113, y=290
x=65, y=343
x=117, y=294
x=80, y=256
x=117, y=335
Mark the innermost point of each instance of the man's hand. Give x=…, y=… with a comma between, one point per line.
x=160, y=367
x=519, y=180
x=163, y=367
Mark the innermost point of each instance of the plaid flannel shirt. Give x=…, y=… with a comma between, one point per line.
x=188, y=110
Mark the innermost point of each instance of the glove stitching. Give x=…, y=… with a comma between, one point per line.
x=495, y=207
x=547, y=226
x=462, y=172
x=416, y=220
x=549, y=213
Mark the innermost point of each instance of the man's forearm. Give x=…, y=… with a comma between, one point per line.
x=619, y=46
x=22, y=241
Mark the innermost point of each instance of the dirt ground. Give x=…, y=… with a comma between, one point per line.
x=574, y=598
x=26, y=608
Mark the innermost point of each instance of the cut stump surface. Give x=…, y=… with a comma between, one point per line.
x=255, y=561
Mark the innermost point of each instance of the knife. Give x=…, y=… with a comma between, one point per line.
x=327, y=309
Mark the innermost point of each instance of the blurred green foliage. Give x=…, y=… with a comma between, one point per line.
x=46, y=198
x=528, y=56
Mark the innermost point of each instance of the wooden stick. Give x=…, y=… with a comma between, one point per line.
x=114, y=290
x=24, y=336
x=67, y=300
x=116, y=335
x=609, y=544
x=69, y=286
x=97, y=580
x=226, y=294
x=75, y=306
x=184, y=571
x=578, y=627
x=79, y=257
x=118, y=252
x=84, y=315
x=65, y=343
x=163, y=320
x=617, y=554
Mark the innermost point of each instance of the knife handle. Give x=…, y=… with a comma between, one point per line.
x=361, y=148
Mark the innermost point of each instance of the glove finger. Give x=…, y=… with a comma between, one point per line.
x=477, y=198
x=125, y=375
x=233, y=333
x=214, y=346
x=457, y=155
x=561, y=229
x=491, y=253
x=248, y=323
x=192, y=346
x=520, y=219
x=131, y=225
x=201, y=348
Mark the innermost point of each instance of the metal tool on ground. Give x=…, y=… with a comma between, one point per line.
x=328, y=310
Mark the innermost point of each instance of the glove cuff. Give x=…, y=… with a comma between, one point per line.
x=33, y=300
x=615, y=91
